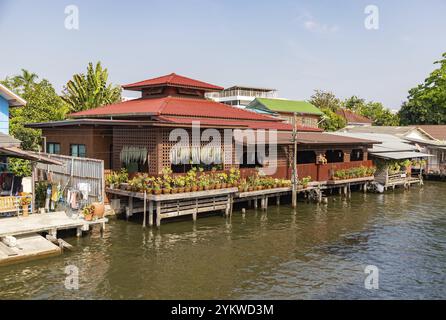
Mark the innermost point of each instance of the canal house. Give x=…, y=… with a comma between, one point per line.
x=135, y=134
x=428, y=139
x=398, y=161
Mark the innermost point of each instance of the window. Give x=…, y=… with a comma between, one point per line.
x=306, y=157
x=53, y=148
x=78, y=150
x=334, y=156
x=357, y=155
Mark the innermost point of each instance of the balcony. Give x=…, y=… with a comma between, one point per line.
x=324, y=172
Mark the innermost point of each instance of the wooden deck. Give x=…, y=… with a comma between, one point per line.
x=29, y=247
x=350, y=181
x=160, y=207
x=46, y=222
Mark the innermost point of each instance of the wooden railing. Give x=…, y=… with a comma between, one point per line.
x=317, y=172
x=324, y=172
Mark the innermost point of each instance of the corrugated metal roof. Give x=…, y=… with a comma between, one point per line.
x=401, y=155
x=15, y=152
x=316, y=138
x=7, y=140
x=436, y=131
x=389, y=143
x=381, y=129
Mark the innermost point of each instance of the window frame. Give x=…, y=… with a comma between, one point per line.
x=79, y=155
x=53, y=144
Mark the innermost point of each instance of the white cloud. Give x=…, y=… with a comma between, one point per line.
x=312, y=25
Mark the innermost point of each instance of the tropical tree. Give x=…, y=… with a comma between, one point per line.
x=325, y=100
x=328, y=103
x=375, y=111
x=90, y=90
x=427, y=102
x=43, y=104
x=27, y=78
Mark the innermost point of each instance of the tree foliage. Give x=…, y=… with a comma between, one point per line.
x=427, y=102
x=43, y=104
x=375, y=111
x=90, y=90
x=328, y=103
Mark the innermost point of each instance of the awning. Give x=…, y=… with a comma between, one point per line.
x=15, y=152
x=401, y=155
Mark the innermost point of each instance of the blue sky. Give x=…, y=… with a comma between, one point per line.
x=294, y=46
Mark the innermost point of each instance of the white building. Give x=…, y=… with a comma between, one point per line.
x=241, y=96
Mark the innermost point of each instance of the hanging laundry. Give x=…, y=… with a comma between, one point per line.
x=85, y=189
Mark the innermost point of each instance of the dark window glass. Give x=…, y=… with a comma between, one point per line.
x=53, y=148
x=78, y=150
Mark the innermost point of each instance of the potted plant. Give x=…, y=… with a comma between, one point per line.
x=88, y=212
x=157, y=189
x=25, y=202
x=306, y=181
x=180, y=183
x=167, y=189
x=98, y=209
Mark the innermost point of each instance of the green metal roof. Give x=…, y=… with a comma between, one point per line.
x=280, y=105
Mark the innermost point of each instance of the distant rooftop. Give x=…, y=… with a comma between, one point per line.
x=283, y=105
x=352, y=117
x=240, y=87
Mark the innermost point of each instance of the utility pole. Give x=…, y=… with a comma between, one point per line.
x=295, y=176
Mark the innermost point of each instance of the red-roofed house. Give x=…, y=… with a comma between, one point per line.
x=135, y=134
x=353, y=119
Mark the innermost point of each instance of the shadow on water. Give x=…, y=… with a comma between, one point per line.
x=319, y=252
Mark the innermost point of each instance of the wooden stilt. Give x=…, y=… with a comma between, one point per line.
x=158, y=214
x=144, y=222
x=129, y=212
x=150, y=213
x=278, y=200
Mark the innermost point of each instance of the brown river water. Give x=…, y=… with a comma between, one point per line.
x=317, y=252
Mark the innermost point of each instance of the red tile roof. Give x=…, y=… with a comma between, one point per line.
x=272, y=125
x=352, y=117
x=174, y=80
x=185, y=110
x=177, y=106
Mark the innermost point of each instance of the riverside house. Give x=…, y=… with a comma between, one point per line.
x=135, y=134
x=428, y=139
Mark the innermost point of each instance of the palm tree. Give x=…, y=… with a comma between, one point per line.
x=89, y=91
x=27, y=78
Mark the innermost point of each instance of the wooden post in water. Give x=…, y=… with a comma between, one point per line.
x=144, y=222
x=294, y=178
x=150, y=213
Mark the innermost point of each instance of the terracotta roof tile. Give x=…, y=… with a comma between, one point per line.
x=352, y=117
x=172, y=80
x=174, y=106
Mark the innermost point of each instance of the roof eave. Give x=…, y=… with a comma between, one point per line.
x=13, y=99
